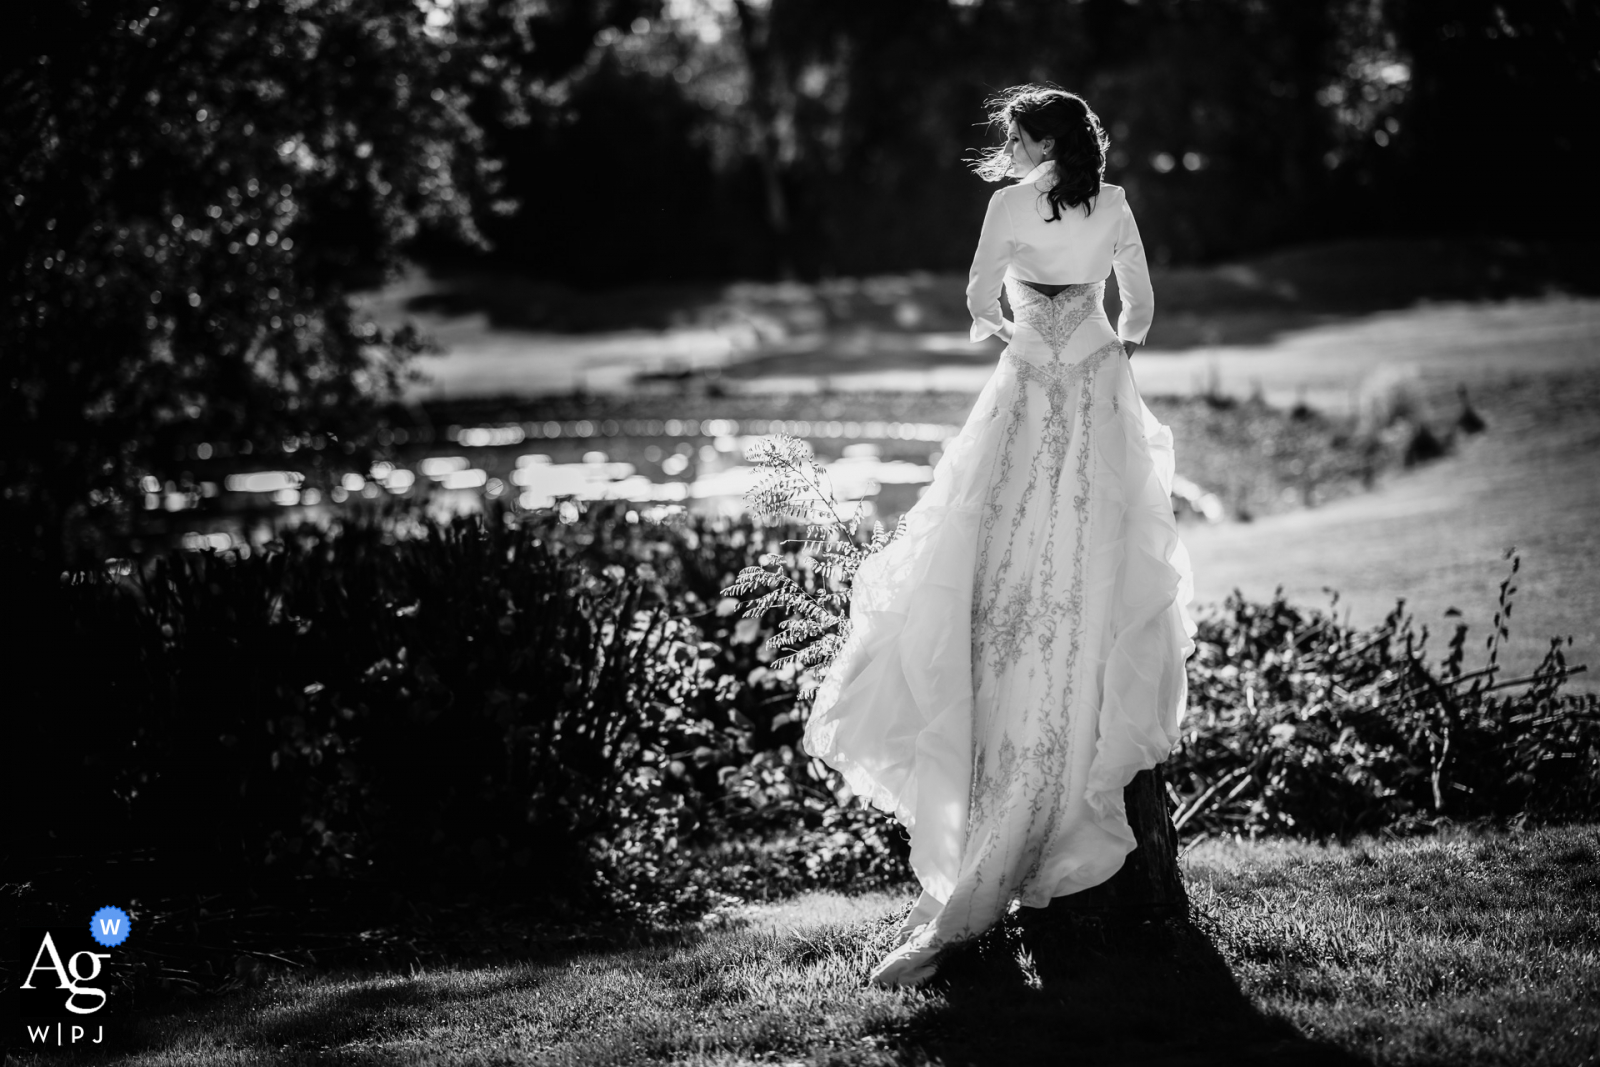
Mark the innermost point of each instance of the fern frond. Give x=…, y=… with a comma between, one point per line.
x=795, y=632
x=753, y=579
x=802, y=605
x=816, y=622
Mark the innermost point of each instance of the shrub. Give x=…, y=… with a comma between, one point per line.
x=565, y=711
x=572, y=712
x=1300, y=725
x=463, y=707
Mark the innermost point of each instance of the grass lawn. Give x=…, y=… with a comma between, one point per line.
x=1461, y=949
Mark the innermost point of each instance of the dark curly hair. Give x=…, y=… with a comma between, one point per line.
x=1046, y=111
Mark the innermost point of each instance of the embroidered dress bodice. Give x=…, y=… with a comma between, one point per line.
x=1055, y=318
x=1016, y=655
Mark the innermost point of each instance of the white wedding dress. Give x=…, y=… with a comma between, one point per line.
x=1017, y=654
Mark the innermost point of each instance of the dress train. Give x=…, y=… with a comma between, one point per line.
x=1017, y=654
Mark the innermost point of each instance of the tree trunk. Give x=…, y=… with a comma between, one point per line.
x=756, y=38
x=1148, y=886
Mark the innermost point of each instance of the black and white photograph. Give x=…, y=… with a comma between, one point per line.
x=801, y=533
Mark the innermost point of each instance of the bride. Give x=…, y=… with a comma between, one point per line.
x=1017, y=654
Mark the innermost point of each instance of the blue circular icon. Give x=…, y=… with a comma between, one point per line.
x=110, y=926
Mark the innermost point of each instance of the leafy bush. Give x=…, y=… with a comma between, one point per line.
x=765, y=819
x=560, y=710
x=435, y=711
x=572, y=712
x=1300, y=725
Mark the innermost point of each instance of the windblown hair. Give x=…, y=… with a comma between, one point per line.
x=1045, y=111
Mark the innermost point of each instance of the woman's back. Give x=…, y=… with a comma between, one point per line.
x=1076, y=247
x=1020, y=240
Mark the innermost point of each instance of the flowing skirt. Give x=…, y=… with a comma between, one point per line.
x=1017, y=654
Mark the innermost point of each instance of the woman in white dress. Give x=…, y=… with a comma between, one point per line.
x=1017, y=654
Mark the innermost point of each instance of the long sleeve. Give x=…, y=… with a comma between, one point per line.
x=995, y=246
x=1133, y=281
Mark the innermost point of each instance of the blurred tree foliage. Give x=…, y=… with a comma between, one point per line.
x=725, y=138
x=193, y=189
x=1505, y=97
x=196, y=186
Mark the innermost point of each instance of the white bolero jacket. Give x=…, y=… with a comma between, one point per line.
x=1018, y=242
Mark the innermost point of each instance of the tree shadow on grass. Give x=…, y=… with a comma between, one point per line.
x=337, y=1022
x=1075, y=988
x=366, y=1011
